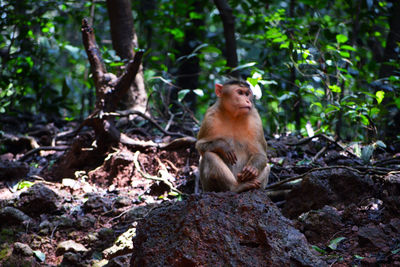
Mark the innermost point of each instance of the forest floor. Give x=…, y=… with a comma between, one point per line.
x=85, y=215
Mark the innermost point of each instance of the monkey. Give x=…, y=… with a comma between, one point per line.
x=231, y=142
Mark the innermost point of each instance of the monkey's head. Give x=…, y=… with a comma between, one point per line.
x=235, y=97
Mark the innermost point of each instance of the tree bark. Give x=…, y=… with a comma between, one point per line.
x=392, y=41
x=124, y=40
x=228, y=21
x=109, y=89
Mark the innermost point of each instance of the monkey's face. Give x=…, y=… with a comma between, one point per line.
x=238, y=100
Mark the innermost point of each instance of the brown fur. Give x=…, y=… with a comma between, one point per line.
x=231, y=144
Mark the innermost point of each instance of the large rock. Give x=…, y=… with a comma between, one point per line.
x=11, y=170
x=37, y=200
x=220, y=229
x=327, y=187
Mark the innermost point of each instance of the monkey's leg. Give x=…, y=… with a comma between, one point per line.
x=215, y=174
x=264, y=175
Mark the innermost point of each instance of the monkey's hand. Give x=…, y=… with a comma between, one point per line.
x=248, y=173
x=226, y=154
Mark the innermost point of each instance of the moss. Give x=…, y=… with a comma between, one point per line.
x=7, y=235
x=5, y=252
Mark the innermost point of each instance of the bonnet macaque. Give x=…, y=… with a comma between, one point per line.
x=231, y=142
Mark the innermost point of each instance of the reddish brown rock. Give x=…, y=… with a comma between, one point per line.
x=327, y=187
x=221, y=229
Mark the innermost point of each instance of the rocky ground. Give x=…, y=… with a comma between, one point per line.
x=347, y=207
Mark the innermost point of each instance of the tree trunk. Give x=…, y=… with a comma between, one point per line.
x=392, y=41
x=391, y=123
x=124, y=40
x=228, y=20
x=189, y=70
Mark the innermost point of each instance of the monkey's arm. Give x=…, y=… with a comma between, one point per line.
x=218, y=146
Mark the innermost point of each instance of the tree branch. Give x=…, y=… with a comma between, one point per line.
x=96, y=62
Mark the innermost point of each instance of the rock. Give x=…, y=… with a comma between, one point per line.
x=122, y=246
x=106, y=236
x=120, y=261
x=86, y=221
x=320, y=225
x=71, y=259
x=37, y=200
x=70, y=246
x=391, y=191
x=372, y=235
x=22, y=249
x=395, y=224
x=122, y=201
x=137, y=212
x=327, y=187
x=13, y=170
x=97, y=203
x=220, y=229
x=10, y=215
x=64, y=221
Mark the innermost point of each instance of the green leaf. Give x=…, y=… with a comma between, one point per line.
x=318, y=104
x=348, y=47
x=340, y=38
x=182, y=94
x=40, y=255
x=397, y=101
x=379, y=96
x=199, y=92
x=358, y=257
x=364, y=119
x=374, y=111
x=395, y=251
x=23, y=184
x=366, y=153
x=320, y=250
x=334, y=88
x=330, y=48
x=345, y=54
x=334, y=243
x=381, y=144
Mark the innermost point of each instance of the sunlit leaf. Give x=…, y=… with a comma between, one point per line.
x=334, y=243
x=348, y=47
x=334, y=88
x=23, y=184
x=379, y=96
x=381, y=144
x=199, y=92
x=244, y=66
x=182, y=94
x=40, y=255
x=340, y=38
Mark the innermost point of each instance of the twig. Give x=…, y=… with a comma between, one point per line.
x=35, y=150
x=135, y=112
x=171, y=165
x=321, y=152
x=152, y=177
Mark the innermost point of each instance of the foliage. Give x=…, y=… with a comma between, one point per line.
x=316, y=62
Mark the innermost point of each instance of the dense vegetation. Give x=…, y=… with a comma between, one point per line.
x=331, y=64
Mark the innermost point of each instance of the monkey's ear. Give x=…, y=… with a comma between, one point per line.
x=218, y=89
